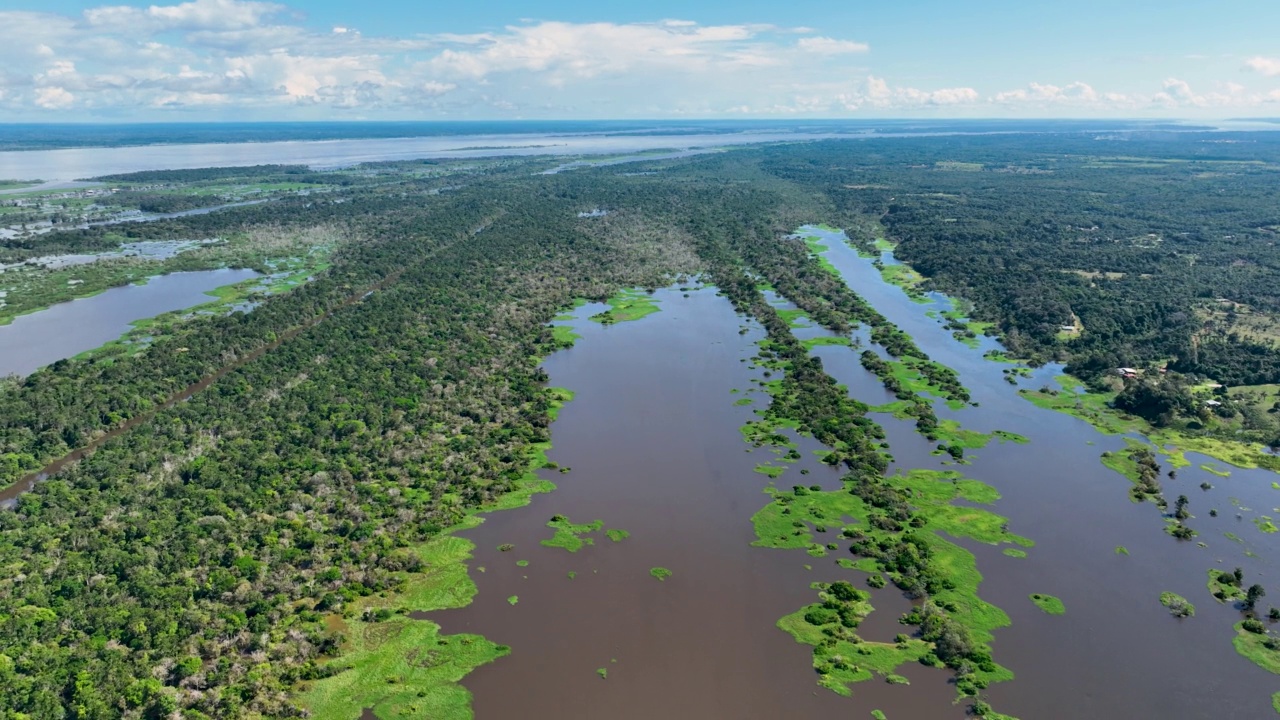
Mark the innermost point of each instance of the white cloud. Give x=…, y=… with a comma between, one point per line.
x=830, y=46
x=1076, y=93
x=1267, y=66
x=195, y=15
x=572, y=50
x=53, y=98
x=257, y=59
x=432, y=87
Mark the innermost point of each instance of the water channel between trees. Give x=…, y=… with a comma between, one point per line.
x=652, y=439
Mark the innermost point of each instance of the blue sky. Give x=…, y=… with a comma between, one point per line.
x=485, y=59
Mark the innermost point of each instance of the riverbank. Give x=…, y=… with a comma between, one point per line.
x=396, y=660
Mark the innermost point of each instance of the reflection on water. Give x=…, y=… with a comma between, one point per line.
x=67, y=329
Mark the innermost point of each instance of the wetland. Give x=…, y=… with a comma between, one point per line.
x=498, y=452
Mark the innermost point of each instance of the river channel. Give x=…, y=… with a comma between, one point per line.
x=652, y=439
x=67, y=329
x=1117, y=652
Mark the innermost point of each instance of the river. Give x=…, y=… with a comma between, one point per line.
x=653, y=442
x=80, y=163
x=60, y=166
x=652, y=439
x=67, y=329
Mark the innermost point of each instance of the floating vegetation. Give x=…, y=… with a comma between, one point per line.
x=571, y=536
x=1178, y=605
x=1048, y=603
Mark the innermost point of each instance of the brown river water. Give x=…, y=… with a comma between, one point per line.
x=652, y=439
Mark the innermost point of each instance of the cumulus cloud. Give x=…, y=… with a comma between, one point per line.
x=567, y=50
x=1073, y=93
x=261, y=59
x=1267, y=66
x=53, y=98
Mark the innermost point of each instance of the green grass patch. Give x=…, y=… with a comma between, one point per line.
x=617, y=535
x=1006, y=436
x=794, y=518
x=1220, y=472
x=1178, y=606
x=1223, y=587
x=773, y=471
x=629, y=304
x=1048, y=603
x=513, y=600
x=905, y=277
x=571, y=536
x=1122, y=550
x=1015, y=552
x=405, y=668
x=812, y=343
x=660, y=572
x=795, y=318
x=564, y=335
x=1258, y=648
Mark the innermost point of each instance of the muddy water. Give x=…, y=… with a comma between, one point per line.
x=652, y=439
x=67, y=329
x=1116, y=653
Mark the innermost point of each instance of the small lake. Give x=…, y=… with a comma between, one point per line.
x=67, y=329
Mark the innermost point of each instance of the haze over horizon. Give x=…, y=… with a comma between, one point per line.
x=220, y=60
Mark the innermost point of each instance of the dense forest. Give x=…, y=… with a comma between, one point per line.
x=188, y=563
x=1135, y=238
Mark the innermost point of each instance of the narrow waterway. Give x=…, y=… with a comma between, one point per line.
x=67, y=329
x=653, y=441
x=1116, y=653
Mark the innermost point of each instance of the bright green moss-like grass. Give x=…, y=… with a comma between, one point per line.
x=630, y=304
x=1177, y=604
x=405, y=668
x=660, y=572
x=793, y=518
x=571, y=536
x=1048, y=603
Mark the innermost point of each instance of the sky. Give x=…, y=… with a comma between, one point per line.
x=218, y=60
